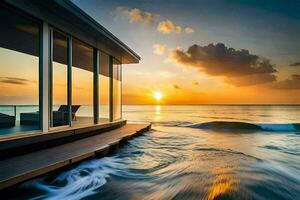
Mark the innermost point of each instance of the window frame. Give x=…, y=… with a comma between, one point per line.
x=69, y=77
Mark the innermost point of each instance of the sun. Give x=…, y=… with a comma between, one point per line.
x=157, y=96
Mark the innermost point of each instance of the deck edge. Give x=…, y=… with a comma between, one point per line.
x=97, y=153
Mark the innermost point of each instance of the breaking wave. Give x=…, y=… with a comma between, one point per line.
x=244, y=126
x=77, y=183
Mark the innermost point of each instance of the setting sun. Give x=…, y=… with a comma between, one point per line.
x=157, y=95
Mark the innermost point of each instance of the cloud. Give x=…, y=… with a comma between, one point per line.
x=28, y=28
x=293, y=83
x=175, y=86
x=14, y=80
x=178, y=29
x=296, y=64
x=195, y=83
x=136, y=15
x=159, y=49
x=189, y=30
x=237, y=67
x=166, y=27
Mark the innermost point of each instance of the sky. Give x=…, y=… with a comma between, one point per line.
x=196, y=51
x=206, y=52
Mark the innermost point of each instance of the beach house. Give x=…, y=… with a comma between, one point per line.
x=59, y=69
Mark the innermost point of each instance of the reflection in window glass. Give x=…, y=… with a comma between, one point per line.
x=19, y=72
x=82, y=83
x=60, y=112
x=104, y=88
x=117, y=90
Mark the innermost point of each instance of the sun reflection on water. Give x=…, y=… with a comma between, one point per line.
x=158, y=116
x=224, y=183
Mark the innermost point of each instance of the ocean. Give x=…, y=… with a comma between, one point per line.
x=191, y=152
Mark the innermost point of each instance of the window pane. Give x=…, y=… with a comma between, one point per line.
x=60, y=114
x=19, y=72
x=104, y=88
x=117, y=90
x=82, y=83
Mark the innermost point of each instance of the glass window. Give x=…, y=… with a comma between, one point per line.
x=82, y=83
x=19, y=72
x=117, y=93
x=104, y=88
x=60, y=110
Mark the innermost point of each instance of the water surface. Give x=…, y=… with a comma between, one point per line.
x=180, y=158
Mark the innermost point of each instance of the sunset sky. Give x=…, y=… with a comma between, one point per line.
x=193, y=52
x=197, y=52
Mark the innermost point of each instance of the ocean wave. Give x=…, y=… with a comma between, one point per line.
x=244, y=126
x=77, y=183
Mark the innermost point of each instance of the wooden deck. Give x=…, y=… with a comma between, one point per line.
x=24, y=167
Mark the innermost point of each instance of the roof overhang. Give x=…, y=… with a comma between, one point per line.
x=67, y=17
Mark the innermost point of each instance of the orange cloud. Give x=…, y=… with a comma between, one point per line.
x=175, y=86
x=189, y=30
x=178, y=29
x=166, y=27
x=159, y=49
x=293, y=83
x=136, y=15
x=195, y=83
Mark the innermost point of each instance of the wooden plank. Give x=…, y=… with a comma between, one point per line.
x=27, y=143
x=21, y=168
